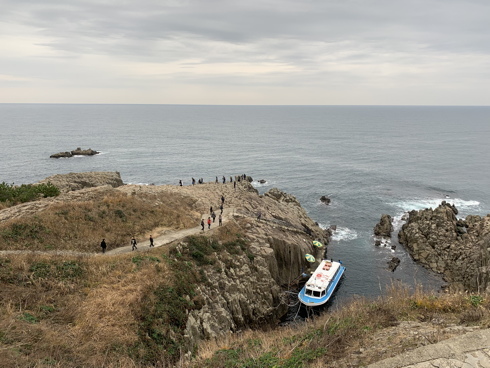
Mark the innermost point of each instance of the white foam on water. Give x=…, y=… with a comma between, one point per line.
x=423, y=203
x=341, y=233
x=256, y=184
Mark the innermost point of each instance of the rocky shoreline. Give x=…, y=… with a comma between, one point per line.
x=459, y=249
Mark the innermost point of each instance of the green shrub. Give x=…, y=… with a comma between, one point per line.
x=11, y=194
x=28, y=318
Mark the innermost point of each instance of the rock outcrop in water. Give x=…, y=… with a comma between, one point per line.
x=457, y=248
x=77, y=152
x=385, y=226
x=325, y=199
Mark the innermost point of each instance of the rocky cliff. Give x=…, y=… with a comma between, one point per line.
x=247, y=289
x=76, y=181
x=457, y=248
x=255, y=259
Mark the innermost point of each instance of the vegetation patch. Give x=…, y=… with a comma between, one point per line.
x=29, y=318
x=81, y=225
x=164, y=315
x=11, y=194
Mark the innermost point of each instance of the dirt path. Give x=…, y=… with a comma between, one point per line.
x=176, y=235
x=163, y=239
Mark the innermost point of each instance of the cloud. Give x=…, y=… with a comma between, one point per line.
x=287, y=45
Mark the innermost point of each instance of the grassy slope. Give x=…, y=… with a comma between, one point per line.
x=81, y=226
x=128, y=310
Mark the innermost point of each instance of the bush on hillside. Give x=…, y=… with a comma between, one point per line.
x=12, y=194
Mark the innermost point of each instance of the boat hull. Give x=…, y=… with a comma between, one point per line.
x=313, y=301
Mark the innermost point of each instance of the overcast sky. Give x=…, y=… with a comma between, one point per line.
x=304, y=52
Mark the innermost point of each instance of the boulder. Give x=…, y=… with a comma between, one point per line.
x=325, y=199
x=81, y=152
x=61, y=155
x=385, y=227
x=393, y=264
x=262, y=181
x=281, y=196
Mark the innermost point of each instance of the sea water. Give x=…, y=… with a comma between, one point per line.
x=369, y=160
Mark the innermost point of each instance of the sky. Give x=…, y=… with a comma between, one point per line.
x=248, y=52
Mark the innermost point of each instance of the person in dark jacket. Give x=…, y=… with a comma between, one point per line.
x=103, y=245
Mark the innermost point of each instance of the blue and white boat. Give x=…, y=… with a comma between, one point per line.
x=322, y=283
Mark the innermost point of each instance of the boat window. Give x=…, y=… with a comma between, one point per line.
x=308, y=292
x=316, y=294
x=324, y=292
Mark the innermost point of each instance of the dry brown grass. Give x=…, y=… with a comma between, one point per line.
x=58, y=310
x=81, y=226
x=335, y=336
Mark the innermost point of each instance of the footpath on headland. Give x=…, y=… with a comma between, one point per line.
x=163, y=239
x=171, y=236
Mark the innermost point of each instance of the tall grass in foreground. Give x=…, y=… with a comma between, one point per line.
x=130, y=311
x=335, y=335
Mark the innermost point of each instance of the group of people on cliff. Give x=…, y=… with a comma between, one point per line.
x=212, y=215
x=238, y=178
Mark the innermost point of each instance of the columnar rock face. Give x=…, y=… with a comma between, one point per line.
x=76, y=181
x=384, y=227
x=248, y=289
x=459, y=249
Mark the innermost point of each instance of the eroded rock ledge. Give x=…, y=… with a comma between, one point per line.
x=77, y=181
x=457, y=248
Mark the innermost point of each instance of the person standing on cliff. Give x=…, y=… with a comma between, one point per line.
x=209, y=222
x=180, y=182
x=202, y=224
x=220, y=220
x=221, y=208
x=103, y=245
x=210, y=210
x=151, y=242
x=213, y=215
x=222, y=200
x=133, y=244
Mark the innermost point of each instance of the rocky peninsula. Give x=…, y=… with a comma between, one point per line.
x=62, y=300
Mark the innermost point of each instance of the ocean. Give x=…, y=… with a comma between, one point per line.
x=369, y=160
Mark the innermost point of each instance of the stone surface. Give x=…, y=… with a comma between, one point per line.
x=77, y=181
x=436, y=239
x=470, y=350
x=385, y=227
x=76, y=152
x=325, y=199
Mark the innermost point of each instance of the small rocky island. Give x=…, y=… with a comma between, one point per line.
x=77, y=152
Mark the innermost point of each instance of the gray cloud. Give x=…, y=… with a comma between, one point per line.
x=369, y=45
